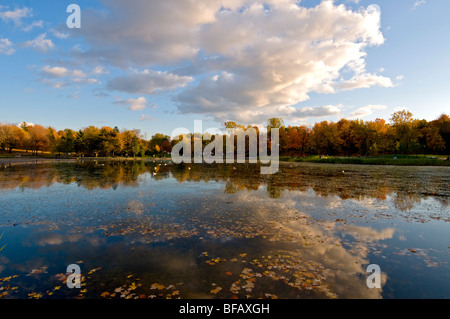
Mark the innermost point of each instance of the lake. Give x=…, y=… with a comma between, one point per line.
x=152, y=229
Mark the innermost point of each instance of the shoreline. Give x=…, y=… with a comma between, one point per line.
x=33, y=160
x=420, y=161
x=9, y=161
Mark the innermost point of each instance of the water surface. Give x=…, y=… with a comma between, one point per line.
x=158, y=230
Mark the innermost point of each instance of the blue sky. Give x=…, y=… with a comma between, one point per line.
x=156, y=65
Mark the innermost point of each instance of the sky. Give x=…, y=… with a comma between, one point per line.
x=159, y=65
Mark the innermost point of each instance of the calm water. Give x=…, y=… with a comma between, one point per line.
x=156, y=230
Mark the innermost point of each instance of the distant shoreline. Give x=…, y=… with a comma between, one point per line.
x=29, y=160
x=32, y=160
x=400, y=161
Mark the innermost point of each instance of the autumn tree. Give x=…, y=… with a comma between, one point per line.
x=325, y=138
x=380, y=142
x=132, y=143
x=38, y=138
x=11, y=137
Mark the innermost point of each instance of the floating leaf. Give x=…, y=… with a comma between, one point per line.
x=105, y=294
x=216, y=290
x=94, y=270
x=157, y=286
x=38, y=271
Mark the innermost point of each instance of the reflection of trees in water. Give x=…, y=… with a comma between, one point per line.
x=406, y=186
x=88, y=174
x=406, y=201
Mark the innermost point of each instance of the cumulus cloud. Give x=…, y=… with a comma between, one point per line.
x=59, y=76
x=146, y=117
x=59, y=34
x=366, y=81
x=40, y=43
x=241, y=59
x=15, y=15
x=148, y=82
x=6, y=47
x=133, y=104
x=34, y=24
x=366, y=111
x=56, y=71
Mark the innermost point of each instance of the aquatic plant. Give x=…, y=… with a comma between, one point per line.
x=4, y=244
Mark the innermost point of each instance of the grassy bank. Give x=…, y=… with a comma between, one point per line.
x=403, y=160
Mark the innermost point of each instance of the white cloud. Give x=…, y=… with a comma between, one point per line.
x=148, y=82
x=40, y=43
x=365, y=111
x=134, y=104
x=59, y=34
x=16, y=15
x=146, y=117
x=56, y=71
x=50, y=73
x=242, y=59
x=35, y=24
x=418, y=3
x=366, y=80
x=6, y=47
x=98, y=70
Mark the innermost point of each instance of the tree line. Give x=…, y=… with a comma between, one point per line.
x=89, y=141
x=402, y=134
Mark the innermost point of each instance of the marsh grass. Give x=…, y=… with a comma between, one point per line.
x=401, y=160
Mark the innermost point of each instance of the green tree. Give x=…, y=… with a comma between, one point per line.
x=442, y=124
x=405, y=132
